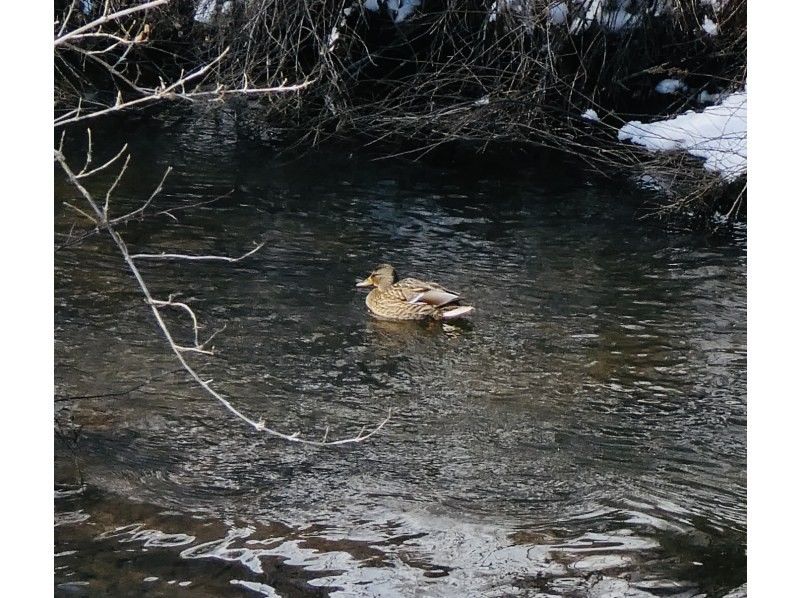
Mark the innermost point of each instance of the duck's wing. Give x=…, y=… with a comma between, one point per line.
x=456, y=311
x=419, y=291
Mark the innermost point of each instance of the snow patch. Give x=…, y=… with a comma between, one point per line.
x=710, y=26
x=518, y=6
x=649, y=182
x=405, y=8
x=708, y=98
x=205, y=10
x=399, y=10
x=718, y=134
x=332, y=38
x=716, y=5
x=590, y=114
x=670, y=86
x=558, y=13
x=609, y=14
x=617, y=20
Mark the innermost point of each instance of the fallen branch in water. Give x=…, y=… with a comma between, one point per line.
x=103, y=222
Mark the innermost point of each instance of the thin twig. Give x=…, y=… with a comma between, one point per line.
x=198, y=346
x=82, y=174
x=79, y=211
x=114, y=185
x=205, y=258
x=105, y=19
x=125, y=391
x=138, y=211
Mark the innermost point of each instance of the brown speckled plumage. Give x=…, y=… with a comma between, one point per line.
x=409, y=299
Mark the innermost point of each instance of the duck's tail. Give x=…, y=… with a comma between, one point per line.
x=456, y=312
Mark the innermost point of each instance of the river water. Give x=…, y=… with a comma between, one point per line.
x=584, y=434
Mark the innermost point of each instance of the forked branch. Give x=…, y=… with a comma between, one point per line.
x=103, y=223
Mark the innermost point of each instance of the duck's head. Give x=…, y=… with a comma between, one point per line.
x=382, y=276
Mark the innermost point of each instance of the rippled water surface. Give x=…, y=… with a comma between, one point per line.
x=582, y=435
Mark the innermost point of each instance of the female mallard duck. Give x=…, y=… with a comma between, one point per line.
x=409, y=299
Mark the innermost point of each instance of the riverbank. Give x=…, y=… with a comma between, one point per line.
x=414, y=77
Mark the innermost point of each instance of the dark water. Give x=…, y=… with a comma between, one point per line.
x=583, y=435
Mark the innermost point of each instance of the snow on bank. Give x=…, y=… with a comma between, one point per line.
x=206, y=9
x=710, y=26
x=718, y=134
x=399, y=10
x=705, y=97
x=717, y=5
x=578, y=15
x=670, y=86
x=590, y=114
x=611, y=15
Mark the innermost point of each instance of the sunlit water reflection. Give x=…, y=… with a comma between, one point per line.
x=582, y=435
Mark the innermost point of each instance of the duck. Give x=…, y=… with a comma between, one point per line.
x=409, y=298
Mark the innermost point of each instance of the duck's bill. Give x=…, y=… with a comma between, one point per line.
x=364, y=283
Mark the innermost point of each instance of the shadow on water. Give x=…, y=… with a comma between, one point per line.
x=583, y=434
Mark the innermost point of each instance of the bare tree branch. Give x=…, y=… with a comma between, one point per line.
x=198, y=346
x=204, y=258
x=138, y=211
x=105, y=19
x=176, y=91
x=83, y=173
x=79, y=211
x=71, y=240
x=259, y=425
